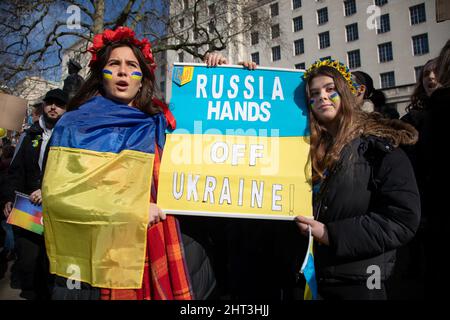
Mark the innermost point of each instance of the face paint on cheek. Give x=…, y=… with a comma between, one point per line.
x=335, y=97
x=311, y=102
x=107, y=74
x=136, y=75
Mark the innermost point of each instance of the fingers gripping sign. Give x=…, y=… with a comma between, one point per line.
x=213, y=59
x=155, y=215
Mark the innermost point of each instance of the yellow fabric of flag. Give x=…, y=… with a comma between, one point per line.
x=96, y=214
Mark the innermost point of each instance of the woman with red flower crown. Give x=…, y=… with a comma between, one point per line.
x=105, y=236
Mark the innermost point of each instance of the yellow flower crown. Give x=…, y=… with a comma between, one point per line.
x=339, y=66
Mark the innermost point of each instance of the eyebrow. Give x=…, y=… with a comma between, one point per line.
x=117, y=59
x=324, y=86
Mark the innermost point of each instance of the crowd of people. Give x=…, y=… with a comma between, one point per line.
x=374, y=176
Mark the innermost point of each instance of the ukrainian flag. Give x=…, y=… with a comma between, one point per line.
x=308, y=270
x=96, y=193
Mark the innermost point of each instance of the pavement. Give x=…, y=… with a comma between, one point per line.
x=6, y=292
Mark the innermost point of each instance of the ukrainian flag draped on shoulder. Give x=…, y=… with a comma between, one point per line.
x=96, y=193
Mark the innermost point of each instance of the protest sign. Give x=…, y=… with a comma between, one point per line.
x=241, y=146
x=12, y=111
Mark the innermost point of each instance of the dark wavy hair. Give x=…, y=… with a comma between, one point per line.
x=377, y=97
x=419, y=97
x=93, y=85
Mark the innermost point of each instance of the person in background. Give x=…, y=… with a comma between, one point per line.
x=366, y=203
x=412, y=258
x=7, y=239
x=36, y=113
x=370, y=99
x=25, y=176
x=438, y=217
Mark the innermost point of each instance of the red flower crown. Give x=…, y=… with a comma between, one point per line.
x=109, y=36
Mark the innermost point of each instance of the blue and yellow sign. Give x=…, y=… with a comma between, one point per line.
x=241, y=147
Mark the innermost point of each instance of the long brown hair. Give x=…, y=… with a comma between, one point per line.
x=94, y=82
x=352, y=123
x=419, y=97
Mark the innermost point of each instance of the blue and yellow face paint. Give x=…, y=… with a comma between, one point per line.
x=107, y=74
x=136, y=75
x=311, y=102
x=334, y=97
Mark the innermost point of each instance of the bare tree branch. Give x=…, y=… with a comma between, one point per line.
x=123, y=16
x=195, y=30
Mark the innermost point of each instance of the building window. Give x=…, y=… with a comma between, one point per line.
x=417, y=14
x=276, y=53
x=255, y=57
x=162, y=71
x=254, y=37
x=385, y=52
x=181, y=57
x=420, y=44
x=212, y=9
x=354, y=59
x=275, y=31
x=296, y=4
x=181, y=23
x=274, y=9
x=349, y=7
x=387, y=80
x=300, y=66
x=299, y=47
x=322, y=16
x=417, y=71
x=385, y=24
x=324, y=40
x=298, y=23
x=352, y=32
x=380, y=3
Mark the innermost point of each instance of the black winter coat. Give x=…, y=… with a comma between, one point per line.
x=370, y=205
x=24, y=173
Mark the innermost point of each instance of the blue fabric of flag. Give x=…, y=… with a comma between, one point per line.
x=120, y=128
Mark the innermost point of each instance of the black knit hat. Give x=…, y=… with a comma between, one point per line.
x=57, y=94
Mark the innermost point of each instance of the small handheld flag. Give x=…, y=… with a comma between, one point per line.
x=309, y=271
x=26, y=215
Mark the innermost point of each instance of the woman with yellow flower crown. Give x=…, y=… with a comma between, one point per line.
x=105, y=237
x=366, y=202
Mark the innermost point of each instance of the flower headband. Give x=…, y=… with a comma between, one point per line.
x=340, y=67
x=121, y=33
